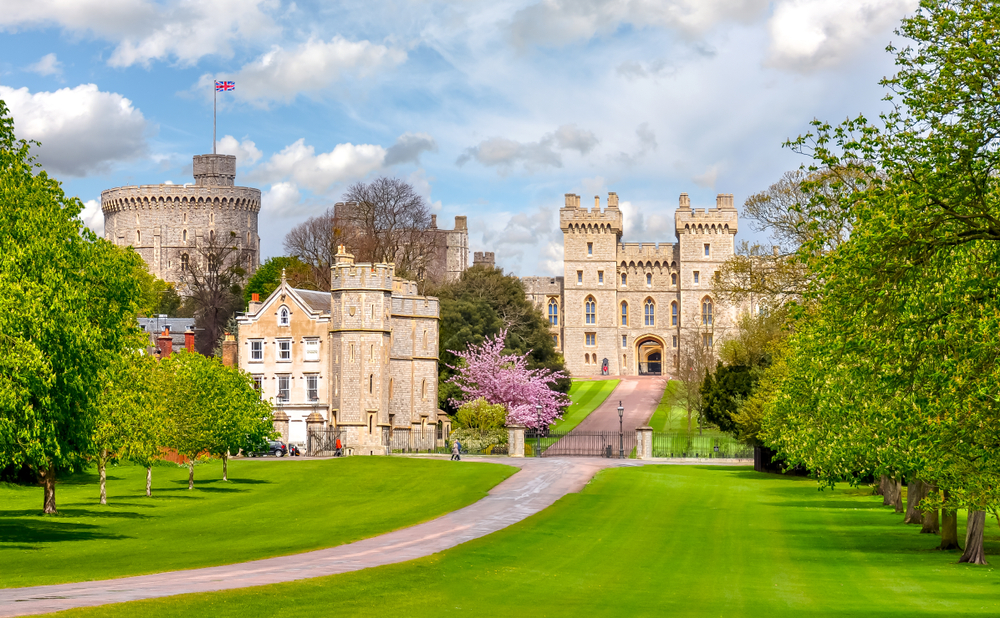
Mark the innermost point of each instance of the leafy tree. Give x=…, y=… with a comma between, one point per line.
x=723, y=392
x=485, y=372
x=67, y=308
x=268, y=277
x=481, y=303
x=158, y=296
x=481, y=414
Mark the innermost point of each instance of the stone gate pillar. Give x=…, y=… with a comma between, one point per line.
x=314, y=424
x=644, y=442
x=515, y=441
x=281, y=424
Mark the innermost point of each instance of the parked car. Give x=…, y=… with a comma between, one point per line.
x=271, y=447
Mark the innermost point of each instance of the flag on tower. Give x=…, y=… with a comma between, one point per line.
x=223, y=86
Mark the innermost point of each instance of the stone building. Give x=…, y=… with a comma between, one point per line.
x=167, y=224
x=636, y=305
x=484, y=258
x=362, y=358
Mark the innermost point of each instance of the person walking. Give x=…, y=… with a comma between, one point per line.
x=456, y=451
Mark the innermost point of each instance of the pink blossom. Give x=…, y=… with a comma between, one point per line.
x=485, y=371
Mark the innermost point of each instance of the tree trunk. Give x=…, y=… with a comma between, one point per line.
x=929, y=521
x=149, y=481
x=893, y=494
x=48, y=478
x=949, y=526
x=191, y=474
x=102, y=468
x=225, y=466
x=974, y=553
x=885, y=490
x=915, y=491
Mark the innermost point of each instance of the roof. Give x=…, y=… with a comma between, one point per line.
x=317, y=301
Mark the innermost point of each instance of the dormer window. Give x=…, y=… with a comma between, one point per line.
x=283, y=316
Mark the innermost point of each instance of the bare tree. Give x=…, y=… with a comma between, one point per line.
x=214, y=280
x=315, y=242
x=386, y=220
x=696, y=360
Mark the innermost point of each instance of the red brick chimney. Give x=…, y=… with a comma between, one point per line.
x=229, y=350
x=165, y=343
x=189, y=340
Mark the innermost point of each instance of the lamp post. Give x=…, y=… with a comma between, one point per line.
x=538, y=430
x=621, y=432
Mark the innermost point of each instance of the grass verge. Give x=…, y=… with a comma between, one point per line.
x=586, y=396
x=653, y=541
x=268, y=508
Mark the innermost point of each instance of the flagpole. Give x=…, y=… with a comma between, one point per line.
x=215, y=109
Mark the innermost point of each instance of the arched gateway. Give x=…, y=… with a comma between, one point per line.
x=649, y=355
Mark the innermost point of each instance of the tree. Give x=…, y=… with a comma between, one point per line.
x=268, y=277
x=238, y=418
x=695, y=363
x=158, y=297
x=386, y=220
x=481, y=303
x=67, y=308
x=314, y=242
x=485, y=371
x=214, y=281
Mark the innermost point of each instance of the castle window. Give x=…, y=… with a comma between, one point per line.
x=673, y=313
x=283, y=388
x=185, y=262
x=624, y=279
x=590, y=248
x=675, y=341
x=352, y=352
x=591, y=339
x=579, y=277
x=185, y=217
x=425, y=339
x=248, y=239
x=138, y=237
x=553, y=312
x=600, y=277
x=211, y=236
x=624, y=341
x=697, y=276
x=673, y=279
x=624, y=313
x=706, y=340
x=590, y=310
x=649, y=280
x=371, y=384
x=371, y=352
x=586, y=359
x=708, y=250
x=257, y=350
x=283, y=316
x=555, y=341
x=650, y=312
x=184, y=235
x=312, y=350
x=285, y=350
x=706, y=311
x=423, y=389
x=312, y=387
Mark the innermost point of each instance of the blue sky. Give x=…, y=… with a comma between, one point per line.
x=492, y=109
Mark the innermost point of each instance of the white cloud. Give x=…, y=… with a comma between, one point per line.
x=528, y=243
x=318, y=172
x=810, y=34
x=506, y=153
x=81, y=130
x=281, y=198
x=647, y=143
x=48, y=65
x=408, y=147
x=708, y=177
x=184, y=30
x=555, y=23
x=93, y=217
x=280, y=74
x=246, y=152
x=645, y=222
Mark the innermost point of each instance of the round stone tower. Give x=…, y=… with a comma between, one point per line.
x=170, y=225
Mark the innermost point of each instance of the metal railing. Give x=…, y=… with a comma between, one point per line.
x=684, y=444
x=320, y=442
x=579, y=444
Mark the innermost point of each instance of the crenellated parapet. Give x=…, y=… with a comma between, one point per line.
x=649, y=254
x=723, y=219
x=172, y=197
x=573, y=219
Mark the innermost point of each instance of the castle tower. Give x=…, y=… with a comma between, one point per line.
x=167, y=224
x=706, y=239
x=590, y=240
x=360, y=339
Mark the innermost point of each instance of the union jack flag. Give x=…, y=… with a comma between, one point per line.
x=223, y=86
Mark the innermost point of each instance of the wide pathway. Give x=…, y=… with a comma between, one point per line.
x=538, y=484
x=639, y=395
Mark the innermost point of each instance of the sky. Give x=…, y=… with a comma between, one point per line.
x=493, y=109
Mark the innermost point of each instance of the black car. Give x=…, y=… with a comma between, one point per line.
x=271, y=447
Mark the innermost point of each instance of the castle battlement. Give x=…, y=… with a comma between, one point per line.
x=723, y=219
x=179, y=196
x=572, y=218
x=665, y=253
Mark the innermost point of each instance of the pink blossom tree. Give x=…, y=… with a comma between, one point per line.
x=485, y=371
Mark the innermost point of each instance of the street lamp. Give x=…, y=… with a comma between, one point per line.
x=621, y=432
x=538, y=430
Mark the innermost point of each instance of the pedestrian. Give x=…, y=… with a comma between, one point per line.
x=456, y=451
x=339, y=452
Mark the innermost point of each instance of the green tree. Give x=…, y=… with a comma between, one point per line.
x=479, y=304
x=68, y=302
x=268, y=276
x=158, y=297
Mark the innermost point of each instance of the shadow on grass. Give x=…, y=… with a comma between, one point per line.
x=25, y=532
x=65, y=512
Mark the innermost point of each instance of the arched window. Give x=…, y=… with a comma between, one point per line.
x=673, y=279
x=283, y=316
x=624, y=313
x=371, y=384
x=184, y=236
x=586, y=359
x=624, y=279
x=673, y=313
x=138, y=237
x=590, y=309
x=553, y=312
x=650, y=310
x=423, y=389
x=706, y=311
x=649, y=280
x=185, y=262
x=211, y=236
x=425, y=339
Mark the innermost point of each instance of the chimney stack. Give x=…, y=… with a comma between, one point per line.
x=685, y=202
x=434, y=222
x=165, y=343
x=461, y=222
x=229, y=350
x=613, y=200
x=189, y=340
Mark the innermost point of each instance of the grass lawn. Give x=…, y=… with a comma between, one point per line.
x=680, y=442
x=268, y=508
x=667, y=418
x=586, y=396
x=654, y=541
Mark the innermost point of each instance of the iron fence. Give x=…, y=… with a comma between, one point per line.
x=654, y=368
x=323, y=442
x=683, y=444
x=610, y=444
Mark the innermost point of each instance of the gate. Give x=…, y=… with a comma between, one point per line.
x=420, y=439
x=322, y=442
x=609, y=444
